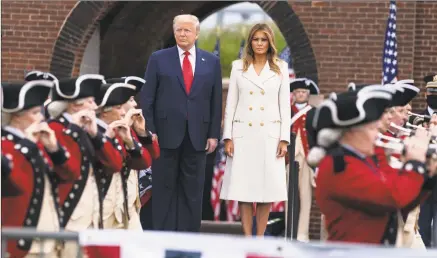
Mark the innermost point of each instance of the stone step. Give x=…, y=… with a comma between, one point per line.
x=221, y=227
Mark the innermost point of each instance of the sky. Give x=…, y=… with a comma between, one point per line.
x=257, y=15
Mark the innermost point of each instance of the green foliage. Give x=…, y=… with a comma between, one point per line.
x=230, y=40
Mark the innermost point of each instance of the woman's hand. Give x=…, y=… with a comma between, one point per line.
x=282, y=149
x=229, y=148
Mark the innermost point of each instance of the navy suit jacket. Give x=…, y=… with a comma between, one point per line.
x=168, y=108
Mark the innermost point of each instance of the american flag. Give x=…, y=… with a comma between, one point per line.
x=220, y=162
x=286, y=56
x=217, y=47
x=390, y=54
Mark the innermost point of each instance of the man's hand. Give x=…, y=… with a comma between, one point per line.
x=211, y=144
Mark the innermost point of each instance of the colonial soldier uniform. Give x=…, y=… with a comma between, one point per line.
x=121, y=191
x=34, y=177
x=302, y=143
x=402, y=94
x=359, y=200
x=79, y=200
x=428, y=210
x=38, y=75
x=151, y=145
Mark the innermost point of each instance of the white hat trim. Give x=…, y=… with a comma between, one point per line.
x=408, y=86
x=77, y=85
x=112, y=88
x=377, y=87
x=29, y=85
x=133, y=78
x=352, y=86
x=359, y=104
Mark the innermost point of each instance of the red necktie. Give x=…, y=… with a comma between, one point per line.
x=187, y=71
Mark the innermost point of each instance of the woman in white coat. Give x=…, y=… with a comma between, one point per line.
x=257, y=129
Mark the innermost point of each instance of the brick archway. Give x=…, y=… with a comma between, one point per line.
x=130, y=32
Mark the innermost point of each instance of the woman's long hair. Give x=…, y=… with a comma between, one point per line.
x=272, y=52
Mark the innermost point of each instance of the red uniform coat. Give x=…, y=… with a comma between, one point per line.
x=300, y=125
x=358, y=199
x=137, y=158
x=31, y=164
x=85, y=151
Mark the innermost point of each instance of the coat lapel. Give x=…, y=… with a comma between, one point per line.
x=176, y=66
x=256, y=79
x=266, y=73
x=251, y=75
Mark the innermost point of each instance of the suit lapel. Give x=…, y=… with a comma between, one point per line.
x=176, y=66
x=199, y=69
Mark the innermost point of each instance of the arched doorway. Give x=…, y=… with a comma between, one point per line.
x=131, y=31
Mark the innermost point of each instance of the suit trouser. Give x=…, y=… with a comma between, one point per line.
x=428, y=210
x=178, y=180
x=305, y=195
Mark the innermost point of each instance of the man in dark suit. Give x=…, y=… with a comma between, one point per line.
x=181, y=102
x=428, y=209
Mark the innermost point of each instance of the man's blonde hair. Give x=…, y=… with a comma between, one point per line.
x=187, y=18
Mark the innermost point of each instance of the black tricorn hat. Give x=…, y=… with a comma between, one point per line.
x=405, y=92
x=24, y=95
x=304, y=83
x=429, y=78
x=38, y=75
x=87, y=85
x=113, y=94
x=134, y=80
x=348, y=110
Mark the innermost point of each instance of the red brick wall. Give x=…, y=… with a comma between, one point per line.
x=347, y=39
x=29, y=30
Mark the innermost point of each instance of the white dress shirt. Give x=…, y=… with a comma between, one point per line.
x=191, y=57
x=431, y=111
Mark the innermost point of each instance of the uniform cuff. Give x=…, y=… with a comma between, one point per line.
x=98, y=141
x=146, y=140
x=136, y=151
x=416, y=166
x=60, y=156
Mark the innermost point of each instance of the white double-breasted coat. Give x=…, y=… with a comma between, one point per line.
x=257, y=118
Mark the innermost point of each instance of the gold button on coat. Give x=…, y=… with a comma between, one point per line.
x=250, y=124
x=262, y=92
x=250, y=108
x=262, y=108
x=251, y=92
x=262, y=124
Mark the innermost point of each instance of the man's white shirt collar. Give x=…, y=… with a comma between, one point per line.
x=101, y=123
x=192, y=52
x=431, y=111
x=17, y=132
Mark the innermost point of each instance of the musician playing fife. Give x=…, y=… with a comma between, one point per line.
x=359, y=200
